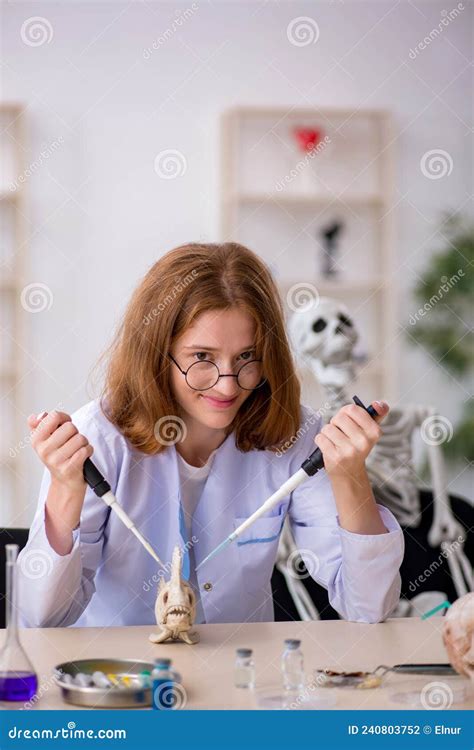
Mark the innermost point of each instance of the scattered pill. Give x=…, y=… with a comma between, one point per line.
x=100, y=680
x=84, y=680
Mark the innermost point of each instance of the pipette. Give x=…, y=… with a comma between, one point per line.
x=98, y=484
x=101, y=487
x=308, y=468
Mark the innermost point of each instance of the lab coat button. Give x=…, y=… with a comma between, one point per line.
x=207, y=586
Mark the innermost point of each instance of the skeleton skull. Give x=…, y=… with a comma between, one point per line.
x=323, y=338
x=325, y=331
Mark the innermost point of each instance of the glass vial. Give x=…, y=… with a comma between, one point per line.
x=163, y=692
x=292, y=665
x=18, y=680
x=244, y=670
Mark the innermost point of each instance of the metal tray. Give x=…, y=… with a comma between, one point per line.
x=134, y=696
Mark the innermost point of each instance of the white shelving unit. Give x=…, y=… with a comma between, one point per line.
x=276, y=200
x=13, y=318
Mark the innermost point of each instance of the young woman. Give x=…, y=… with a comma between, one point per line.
x=198, y=423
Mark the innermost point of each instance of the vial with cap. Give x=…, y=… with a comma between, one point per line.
x=292, y=665
x=244, y=670
x=162, y=678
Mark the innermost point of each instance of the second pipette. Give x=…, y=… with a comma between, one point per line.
x=309, y=467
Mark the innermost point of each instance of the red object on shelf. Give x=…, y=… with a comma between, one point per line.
x=307, y=138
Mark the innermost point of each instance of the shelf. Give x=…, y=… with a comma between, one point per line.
x=355, y=201
x=6, y=459
x=10, y=285
x=362, y=285
x=257, y=112
x=14, y=107
x=369, y=370
x=278, y=207
x=9, y=195
x=12, y=271
x=8, y=373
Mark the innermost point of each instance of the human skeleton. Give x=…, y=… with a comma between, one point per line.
x=323, y=338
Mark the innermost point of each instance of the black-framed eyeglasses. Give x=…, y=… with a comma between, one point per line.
x=200, y=376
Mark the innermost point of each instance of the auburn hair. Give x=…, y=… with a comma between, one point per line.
x=185, y=282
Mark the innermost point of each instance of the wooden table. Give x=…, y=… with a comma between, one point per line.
x=207, y=667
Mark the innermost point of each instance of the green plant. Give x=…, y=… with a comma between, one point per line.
x=443, y=323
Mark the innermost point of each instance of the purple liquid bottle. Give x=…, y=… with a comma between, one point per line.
x=18, y=681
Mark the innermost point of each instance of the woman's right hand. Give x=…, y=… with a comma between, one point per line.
x=63, y=450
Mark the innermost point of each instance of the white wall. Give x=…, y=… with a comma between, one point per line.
x=98, y=213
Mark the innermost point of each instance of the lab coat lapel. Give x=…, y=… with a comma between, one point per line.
x=213, y=517
x=174, y=533
x=177, y=514
x=218, y=579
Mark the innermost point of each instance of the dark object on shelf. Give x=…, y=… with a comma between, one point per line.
x=330, y=235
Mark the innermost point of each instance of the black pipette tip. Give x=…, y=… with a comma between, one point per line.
x=315, y=461
x=369, y=409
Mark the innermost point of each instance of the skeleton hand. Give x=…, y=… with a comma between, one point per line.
x=349, y=437
x=445, y=527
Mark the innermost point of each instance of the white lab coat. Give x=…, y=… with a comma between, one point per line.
x=108, y=579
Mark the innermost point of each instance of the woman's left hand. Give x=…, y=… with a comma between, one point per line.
x=349, y=437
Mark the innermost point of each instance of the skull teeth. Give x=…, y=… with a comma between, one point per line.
x=178, y=611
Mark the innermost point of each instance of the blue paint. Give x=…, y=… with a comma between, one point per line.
x=259, y=540
x=186, y=567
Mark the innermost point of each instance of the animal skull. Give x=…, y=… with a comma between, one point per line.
x=175, y=607
x=458, y=635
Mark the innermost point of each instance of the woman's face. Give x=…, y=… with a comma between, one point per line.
x=227, y=338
